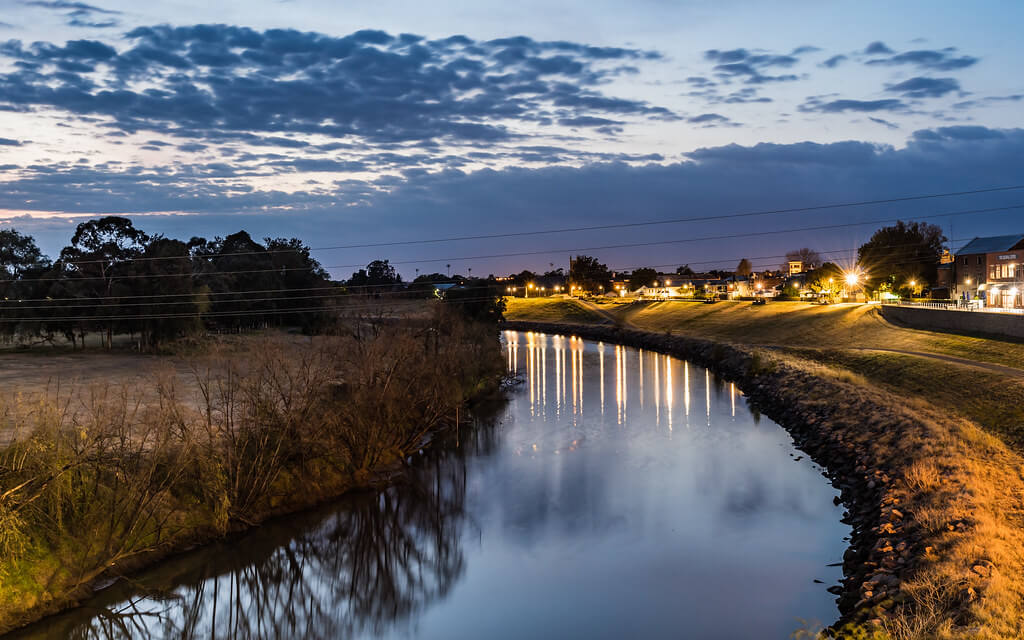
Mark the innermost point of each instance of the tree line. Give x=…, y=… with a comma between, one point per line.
x=114, y=278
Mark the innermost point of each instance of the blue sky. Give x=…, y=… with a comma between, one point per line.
x=393, y=121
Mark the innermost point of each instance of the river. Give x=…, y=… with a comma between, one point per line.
x=620, y=493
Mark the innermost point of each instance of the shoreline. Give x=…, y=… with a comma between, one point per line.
x=887, y=547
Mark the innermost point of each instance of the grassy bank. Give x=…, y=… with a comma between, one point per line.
x=264, y=427
x=897, y=434
x=797, y=324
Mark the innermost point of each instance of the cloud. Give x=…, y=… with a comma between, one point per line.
x=748, y=65
x=834, y=61
x=943, y=60
x=587, y=121
x=700, y=81
x=864, y=106
x=222, y=83
x=711, y=119
x=959, y=133
x=79, y=14
x=988, y=101
x=876, y=48
x=352, y=211
x=884, y=123
x=925, y=87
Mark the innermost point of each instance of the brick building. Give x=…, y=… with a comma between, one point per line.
x=990, y=269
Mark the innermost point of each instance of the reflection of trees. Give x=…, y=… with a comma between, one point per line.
x=374, y=562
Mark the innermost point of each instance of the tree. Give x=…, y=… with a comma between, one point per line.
x=809, y=258
x=589, y=274
x=643, y=277
x=744, y=269
x=377, y=275
x=170, y=305
x=20, y=258
x=903, y=253
x=304, y=283
x=827, y=280
x=98, y=264
x=684, y=270
x=242, y=273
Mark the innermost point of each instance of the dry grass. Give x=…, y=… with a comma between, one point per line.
x=550, y=309
x=801, y=324
x=961, y=491
x=276, y=426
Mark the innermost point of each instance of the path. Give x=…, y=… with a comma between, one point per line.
x=996, y=368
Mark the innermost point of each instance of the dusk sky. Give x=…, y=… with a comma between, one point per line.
x=385, y=121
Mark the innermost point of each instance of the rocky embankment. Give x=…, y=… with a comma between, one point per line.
x=848, y=429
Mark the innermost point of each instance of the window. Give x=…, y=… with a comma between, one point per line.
x=965, y=261
x=981, y=259
x=993, y=272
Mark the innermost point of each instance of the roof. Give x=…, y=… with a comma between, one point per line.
x=992, y=244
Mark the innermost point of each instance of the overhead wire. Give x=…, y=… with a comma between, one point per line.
x=560, y=250
x=619, y=225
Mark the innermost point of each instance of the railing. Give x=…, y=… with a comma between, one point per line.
x=955, y=305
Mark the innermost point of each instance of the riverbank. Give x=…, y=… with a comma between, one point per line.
x=269, y=428
x=933, y=498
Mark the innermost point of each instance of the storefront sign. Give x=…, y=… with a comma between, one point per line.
x=1008, y=256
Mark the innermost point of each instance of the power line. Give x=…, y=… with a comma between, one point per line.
x=554, y=251
x=222, y=314
x=621, y=225
x=119, y=300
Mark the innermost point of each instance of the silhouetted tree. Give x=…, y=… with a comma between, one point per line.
x=589, y=274
x=22, y=265
x=98, y=265
x=743, y=269
x=904, y=252
x=643, y=277
x=809, y=258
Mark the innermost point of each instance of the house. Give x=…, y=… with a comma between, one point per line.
x=989, y=269
x=660, y=292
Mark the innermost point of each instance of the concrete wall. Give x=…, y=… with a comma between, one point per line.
x=1001, y=324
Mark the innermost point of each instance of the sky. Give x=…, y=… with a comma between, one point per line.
x=369, y=131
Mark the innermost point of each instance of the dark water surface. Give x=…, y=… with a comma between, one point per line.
x=619, y=494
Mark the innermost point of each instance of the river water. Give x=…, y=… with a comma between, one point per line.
x=619, y=494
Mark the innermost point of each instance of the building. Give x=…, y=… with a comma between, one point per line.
x=795, y=267
x=989, y=269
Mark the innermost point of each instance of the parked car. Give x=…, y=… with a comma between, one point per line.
x=760, y=300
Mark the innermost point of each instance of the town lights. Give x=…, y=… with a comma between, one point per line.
x=851, y=279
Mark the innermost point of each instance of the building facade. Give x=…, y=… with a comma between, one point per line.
x=989, y=270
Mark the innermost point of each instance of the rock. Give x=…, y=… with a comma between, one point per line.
x=983, y=570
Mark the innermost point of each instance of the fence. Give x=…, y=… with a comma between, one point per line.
x=955, y=305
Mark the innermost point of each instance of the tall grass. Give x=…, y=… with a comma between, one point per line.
x=96, y=480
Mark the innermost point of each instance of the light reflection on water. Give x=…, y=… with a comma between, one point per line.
x=623, y=493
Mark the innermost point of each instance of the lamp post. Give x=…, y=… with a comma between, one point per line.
x=526, y=290
x=851, y=281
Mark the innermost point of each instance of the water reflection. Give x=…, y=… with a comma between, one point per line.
x=602, y=504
